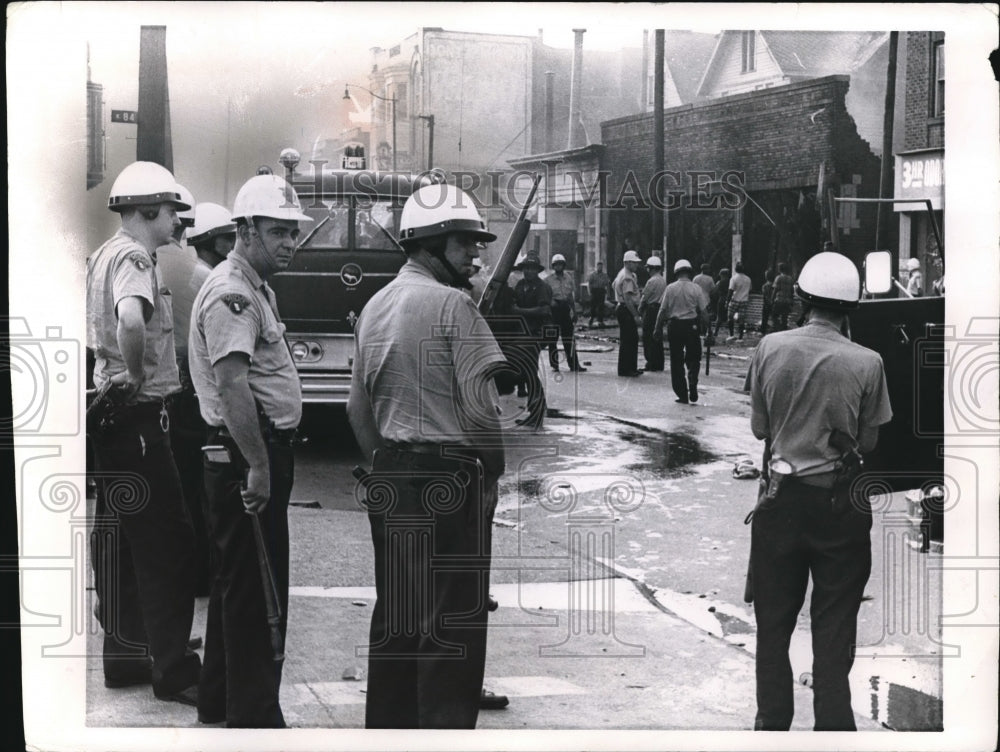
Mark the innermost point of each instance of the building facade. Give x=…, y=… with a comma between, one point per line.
x=919, y=169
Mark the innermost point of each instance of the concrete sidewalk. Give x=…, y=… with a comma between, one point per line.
x=635, y=667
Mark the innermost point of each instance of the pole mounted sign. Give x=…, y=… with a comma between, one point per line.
x=125, y=116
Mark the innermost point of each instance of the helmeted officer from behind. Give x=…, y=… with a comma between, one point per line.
x=423, y=406
x=626, y=288
x=251, y=399
x=817, y=400
x=649, y=307
x=684, y=311
x=142, y=543
x=179, y=268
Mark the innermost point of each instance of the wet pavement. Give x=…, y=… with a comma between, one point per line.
x=619, y=561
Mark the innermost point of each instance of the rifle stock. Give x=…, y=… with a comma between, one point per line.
x=506, y=261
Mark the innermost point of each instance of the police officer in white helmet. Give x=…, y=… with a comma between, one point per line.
x=817, y=400
x=251, y=399
x=423, y=406
x=143, y=559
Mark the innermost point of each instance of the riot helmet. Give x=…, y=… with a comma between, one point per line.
x=145, y=184
x=829, y=280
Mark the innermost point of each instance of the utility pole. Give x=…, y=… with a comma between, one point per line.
x=153, y=142
x=659, y=223
x=885, y=175
x=430, y=139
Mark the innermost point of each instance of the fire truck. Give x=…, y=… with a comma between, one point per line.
x=347, y=254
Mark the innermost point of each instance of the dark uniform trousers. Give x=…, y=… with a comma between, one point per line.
x=597, y=298
x=652, y=349
x=187, y=434
x=562, y=318
x=142, y=549
x=628, y=342
x=241, y=679
x=684, y=342
x=806, y=530
x=432, y=538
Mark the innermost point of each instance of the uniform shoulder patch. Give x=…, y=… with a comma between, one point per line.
x=236, y=302
x=140, y=260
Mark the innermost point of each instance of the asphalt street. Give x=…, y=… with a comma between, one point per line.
x=619, y=561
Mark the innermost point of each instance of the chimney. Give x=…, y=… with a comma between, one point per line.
x=153, y=143
x=549, y=94
x=576, y=136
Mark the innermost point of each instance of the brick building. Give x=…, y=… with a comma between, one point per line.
x=779, y=146
x=919, y=170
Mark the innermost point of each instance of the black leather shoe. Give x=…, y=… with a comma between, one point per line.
x=632, y=374
x=490, y=701
x=188, y=696
x=693, y=395
x=681, y=401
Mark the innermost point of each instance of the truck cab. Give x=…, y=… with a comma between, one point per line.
x=347, y=254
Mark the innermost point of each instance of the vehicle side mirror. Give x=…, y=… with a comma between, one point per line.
x=878, y=272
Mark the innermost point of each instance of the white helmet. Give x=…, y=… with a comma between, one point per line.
x=210, y=220
x=654, y=261
x=557, y=258
x=631, y=256
x=268, y=196
x=913, y=264
x=682, y=264
x=143, y=184
x=439, y=209
x=829, y=280
x=187, y=216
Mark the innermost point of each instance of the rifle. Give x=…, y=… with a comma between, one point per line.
x=709, y=341
x=270, y=591
x=506, y=261
x=765, y=482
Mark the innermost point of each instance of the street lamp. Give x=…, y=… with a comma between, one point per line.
x=391, y=99
x=430, y=139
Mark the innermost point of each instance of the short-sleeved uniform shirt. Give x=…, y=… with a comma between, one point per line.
x=562, y=287
x=626, y=287
x=235, y=312
x=424, y=357
x=652, y=291
x=119, y=269
x=806, y=382
x=683, y=300
x=739, y=285
x=177, y=264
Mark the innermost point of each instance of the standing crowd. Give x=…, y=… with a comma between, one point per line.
x=190, y=346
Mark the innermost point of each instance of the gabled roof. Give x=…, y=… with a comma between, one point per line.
x=807, y=54
x=686, y=56
x=822, y=53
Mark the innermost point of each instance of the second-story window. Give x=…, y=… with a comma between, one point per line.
x=749, y=39
x=937, y=95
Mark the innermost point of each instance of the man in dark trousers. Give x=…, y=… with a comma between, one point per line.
x=817, y=400
x=142, y=541
x=626, y=288
x=684, y=311
x=250, y=397
x=782, y=297
x=598, y=283
x=649, y=307
x=424, y=408
x=563, y=313
x=532, y=302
